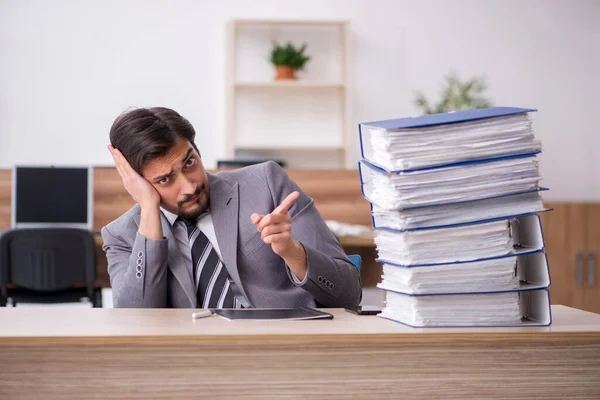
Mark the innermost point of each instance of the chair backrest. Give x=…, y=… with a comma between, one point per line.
x=356, y=260
x=47, y=259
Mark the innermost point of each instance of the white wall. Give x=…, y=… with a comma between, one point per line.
x=67, y=68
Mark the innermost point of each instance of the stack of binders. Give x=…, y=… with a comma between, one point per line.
x=455, y=202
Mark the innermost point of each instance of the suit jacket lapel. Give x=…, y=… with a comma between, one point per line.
x=176, y=262
x=224, y=211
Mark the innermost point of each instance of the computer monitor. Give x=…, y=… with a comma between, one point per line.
x=46, y=196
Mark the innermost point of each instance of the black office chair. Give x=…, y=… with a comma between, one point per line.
x=48, y=265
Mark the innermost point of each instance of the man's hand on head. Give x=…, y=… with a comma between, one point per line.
x=137, y=186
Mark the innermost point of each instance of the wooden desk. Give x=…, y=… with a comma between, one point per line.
x=57, y=353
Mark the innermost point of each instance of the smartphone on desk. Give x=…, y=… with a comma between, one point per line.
x=365, y=310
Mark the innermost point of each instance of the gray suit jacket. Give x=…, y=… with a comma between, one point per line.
x=153, y=273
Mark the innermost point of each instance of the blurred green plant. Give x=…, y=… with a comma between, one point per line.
x=289, y=56
x=456, y=96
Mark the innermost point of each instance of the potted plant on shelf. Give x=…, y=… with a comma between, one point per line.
x=287, y=60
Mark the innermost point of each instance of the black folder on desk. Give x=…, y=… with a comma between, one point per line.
x=291, y=314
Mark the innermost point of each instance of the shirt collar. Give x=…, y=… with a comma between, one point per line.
x=172, y=218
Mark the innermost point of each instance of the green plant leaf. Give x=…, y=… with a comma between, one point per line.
x=289, y=55
x=456, y=96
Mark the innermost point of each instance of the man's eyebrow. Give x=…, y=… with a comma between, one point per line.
x=161, y=177
x=187, y=155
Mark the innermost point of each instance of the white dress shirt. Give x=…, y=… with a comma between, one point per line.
x=206, y=226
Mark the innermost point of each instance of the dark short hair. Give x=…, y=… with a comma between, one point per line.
x=145, y=134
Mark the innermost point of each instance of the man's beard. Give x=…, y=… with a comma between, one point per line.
x=192, y=215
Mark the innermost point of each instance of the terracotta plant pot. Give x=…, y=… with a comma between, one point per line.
x=284, y=72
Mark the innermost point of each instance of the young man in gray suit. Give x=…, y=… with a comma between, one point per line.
x=244, y=238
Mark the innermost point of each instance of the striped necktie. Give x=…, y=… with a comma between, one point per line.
x=213, y=285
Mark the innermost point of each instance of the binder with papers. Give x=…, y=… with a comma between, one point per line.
x=517, y=308
x=409, y=144
x=479, y=180
x=465, y=243
x=504, y=274
x=455, y=202
x=459, y=213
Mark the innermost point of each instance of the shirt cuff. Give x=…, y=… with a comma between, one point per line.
x=297, y=281
x=293, y=277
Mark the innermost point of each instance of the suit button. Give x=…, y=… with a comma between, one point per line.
x=138, y=275
x=139, y=261
x=138, y=268
x=320, y=279
x=140, y=254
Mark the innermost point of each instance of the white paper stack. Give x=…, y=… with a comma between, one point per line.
x=454, y=310
x=517, y=308
x=423, y=147
x=455, y=202
x=434, y=246
x=482, y=180
x=453, y=214
x=521, y=271
x=478, y=276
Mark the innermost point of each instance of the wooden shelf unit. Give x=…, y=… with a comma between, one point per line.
x=262, y=114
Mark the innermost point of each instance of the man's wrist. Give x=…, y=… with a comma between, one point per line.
x=150, y=225
x=149, y=206
x=296, y=260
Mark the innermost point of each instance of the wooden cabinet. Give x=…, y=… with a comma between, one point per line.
x=572, y=235
x=591, y=286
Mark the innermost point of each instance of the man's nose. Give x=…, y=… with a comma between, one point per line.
x=188, y=187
